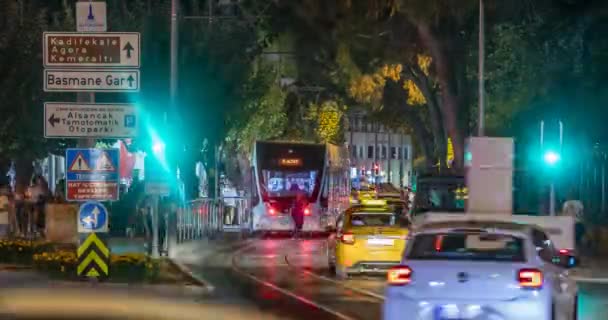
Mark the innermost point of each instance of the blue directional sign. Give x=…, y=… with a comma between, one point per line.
x=92, y=217
x=92, y=174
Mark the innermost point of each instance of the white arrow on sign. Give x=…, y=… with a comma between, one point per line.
x=70, y=120
x=92, y=220
x=91, y=80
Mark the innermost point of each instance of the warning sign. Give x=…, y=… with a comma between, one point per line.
x=79, y=164
x=92, y=174
x=104, y=163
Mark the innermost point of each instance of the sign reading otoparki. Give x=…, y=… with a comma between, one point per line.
x=91, y=80
x=88, y=120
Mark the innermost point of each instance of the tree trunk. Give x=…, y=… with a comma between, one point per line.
x=449, y=100
x=395, y=98
x=439, y=136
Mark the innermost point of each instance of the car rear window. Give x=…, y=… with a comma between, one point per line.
x=388, y=219
x=467, y=246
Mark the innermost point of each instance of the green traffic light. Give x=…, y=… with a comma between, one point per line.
x=551, y=157
x=158, y=147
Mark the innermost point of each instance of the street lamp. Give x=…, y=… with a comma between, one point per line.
x=481, y=84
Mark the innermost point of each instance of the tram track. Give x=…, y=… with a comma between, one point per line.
x=345, y=302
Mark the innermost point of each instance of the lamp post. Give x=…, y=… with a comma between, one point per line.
x=482, y=58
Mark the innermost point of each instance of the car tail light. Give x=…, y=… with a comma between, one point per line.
x=347, y=238
x=399, y=275
x=272, y=211
x=530, y=278
x=306, y=212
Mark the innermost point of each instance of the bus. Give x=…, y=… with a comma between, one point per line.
x=282, y=169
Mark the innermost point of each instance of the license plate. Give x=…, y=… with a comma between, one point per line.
x=381, y=242
x=447, y=313
x=284, y=221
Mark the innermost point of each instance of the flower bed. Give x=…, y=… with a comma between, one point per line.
x=123, y=268
x=62, y=262
x=21, y=251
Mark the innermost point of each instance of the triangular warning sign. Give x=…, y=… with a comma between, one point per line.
x=104, y=163
x=79, y=164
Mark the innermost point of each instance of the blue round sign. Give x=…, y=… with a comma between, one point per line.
x=93, y=216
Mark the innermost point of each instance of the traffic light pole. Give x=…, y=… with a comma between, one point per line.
x=155, y=213
x=552, y=178
x=552, y=198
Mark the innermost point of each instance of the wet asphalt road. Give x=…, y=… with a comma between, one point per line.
x=298, y=268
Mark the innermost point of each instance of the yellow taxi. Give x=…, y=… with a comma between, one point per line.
x=362, y=195
x=369, y=238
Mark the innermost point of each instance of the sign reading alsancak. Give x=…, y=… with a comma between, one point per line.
x=109, y=49
x=98, y=80
x=87, y=120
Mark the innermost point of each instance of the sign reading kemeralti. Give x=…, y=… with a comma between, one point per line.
x=109, y=49
x=96, y=80
x=86, y=120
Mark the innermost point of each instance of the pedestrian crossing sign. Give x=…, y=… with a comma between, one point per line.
x=92, y=174
x=79, y=164
x=104, y=163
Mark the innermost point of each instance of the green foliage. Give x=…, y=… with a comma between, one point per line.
x=262, y=115
x=328, y=121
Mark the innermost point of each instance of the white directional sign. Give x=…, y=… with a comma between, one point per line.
x=108, y=49
x=91, y=17
x=98, y=80
x=88, y=120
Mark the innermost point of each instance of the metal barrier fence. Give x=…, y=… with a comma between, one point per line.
x=208, y=218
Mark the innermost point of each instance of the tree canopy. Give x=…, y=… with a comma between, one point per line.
x=294, y=69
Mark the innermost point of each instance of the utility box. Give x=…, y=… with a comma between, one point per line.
x=489, y=175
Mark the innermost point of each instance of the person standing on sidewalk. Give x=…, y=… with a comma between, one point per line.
x=575, y=209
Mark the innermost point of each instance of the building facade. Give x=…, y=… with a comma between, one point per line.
x=377, y=154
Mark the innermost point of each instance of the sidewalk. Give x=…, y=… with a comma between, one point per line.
x=127, y=245
x=591, y=269
x=186, y=256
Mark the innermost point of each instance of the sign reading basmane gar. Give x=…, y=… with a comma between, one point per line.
x=109, y=49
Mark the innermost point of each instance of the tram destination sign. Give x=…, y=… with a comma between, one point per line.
x=108, y=49
x=98, y=80
x=89, y=120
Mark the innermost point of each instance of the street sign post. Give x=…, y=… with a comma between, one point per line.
x=92, y=217
x=91, y=17
x=157, y=188
x=91, y=80
x=84, y=120
x=92, y=174
x=109, y=49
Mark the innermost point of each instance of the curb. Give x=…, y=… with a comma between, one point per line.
x=209, y=288
x=590, y=280
x=184, y=269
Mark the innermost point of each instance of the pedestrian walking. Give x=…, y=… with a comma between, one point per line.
x=297, y=212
